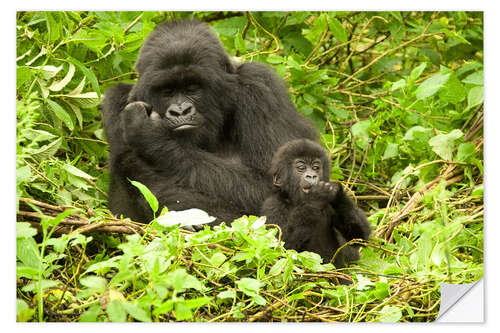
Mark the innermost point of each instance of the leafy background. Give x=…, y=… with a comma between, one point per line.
x=398, y=99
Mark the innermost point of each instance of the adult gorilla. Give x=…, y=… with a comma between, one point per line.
x=196, y=129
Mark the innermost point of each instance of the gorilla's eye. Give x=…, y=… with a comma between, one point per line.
x=316, y=167
x=192, y=87
x=300, y=166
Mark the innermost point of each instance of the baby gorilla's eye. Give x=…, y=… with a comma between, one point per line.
x=300, y=167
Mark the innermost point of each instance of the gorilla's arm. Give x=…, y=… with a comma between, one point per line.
x=350, y=220
x=266, y=118
x=299, y=222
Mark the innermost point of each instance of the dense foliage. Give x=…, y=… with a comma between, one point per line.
x=398, y=98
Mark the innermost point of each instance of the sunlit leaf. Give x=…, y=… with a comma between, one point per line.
x=61, y=113
x=337, y=29
x=431, y=85
x=390, y=314
x=57, y=86
x=444, y=144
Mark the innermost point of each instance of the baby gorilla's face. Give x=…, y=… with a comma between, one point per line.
x=308, y=172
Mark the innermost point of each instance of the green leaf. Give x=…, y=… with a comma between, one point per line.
x=311, y=261
x=360, y=132
x=196, y=302
x=182, y=312
x=392, y=150
x=47, y=151
x=417, y=71
x=453, y=91
x=337, y=29
x=465, y=152
x=398, y=85
x=217, y=259
x=226, y=294
x=390, y=314
x=278, y=266
x=476, y=78
x=478, y=191
x=249, y=286
x=91, y=314
x=25, y=230
x=431, y=86
x=475, y=96
x=49, y=71
x=275, y=59
x=52, y=27
x=27, y=272
x=94, y=282
x=57, y=86
x=61, y=113
x=363, y=283
x=88, y=74
x=46, y=222
x=443, y=144
x=339, y=112
x=116, y=312
x=23, y=311
x=381, y=290
x=148, y=195
x=77, y=172
x=27, y=252
x=59, y=244
x=317, y=29
x=418, y=133
x=86, y=100
x=136, y=312
x=44, y=284
x=181, y=280
x=23, y=74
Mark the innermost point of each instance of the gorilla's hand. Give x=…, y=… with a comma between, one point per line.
x=326, y=191
x=135, y=120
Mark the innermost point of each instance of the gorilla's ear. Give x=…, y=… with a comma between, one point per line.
x=277, y=180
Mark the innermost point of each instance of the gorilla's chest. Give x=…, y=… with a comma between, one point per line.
x=229, y=152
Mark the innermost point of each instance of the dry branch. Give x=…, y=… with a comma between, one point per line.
x=73, y=223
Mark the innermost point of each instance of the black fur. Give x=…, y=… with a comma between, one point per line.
x=196, y=129
x=320, y=220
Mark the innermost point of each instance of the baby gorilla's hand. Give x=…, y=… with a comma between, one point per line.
x=325, y=190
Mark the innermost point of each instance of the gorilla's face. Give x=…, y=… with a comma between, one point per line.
x=185, y=76
x=299, y=165
x=177, y=104
x=186, y=100
x=306, y=172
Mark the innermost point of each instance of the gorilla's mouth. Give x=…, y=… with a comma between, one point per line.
x=185, y=127
x=306, y=189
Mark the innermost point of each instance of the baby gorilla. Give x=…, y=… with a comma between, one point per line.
x=313, y=214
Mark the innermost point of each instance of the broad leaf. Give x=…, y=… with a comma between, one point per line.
x=431, y=86
x=444, y=144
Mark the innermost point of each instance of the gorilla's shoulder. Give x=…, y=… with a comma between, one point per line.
x=253, y=72
x=119, y=89
x=115, y=98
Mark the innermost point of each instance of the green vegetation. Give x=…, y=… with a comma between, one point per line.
x=398, y=98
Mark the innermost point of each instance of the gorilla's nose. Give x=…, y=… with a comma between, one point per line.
x=311, y=178
x=180, y=110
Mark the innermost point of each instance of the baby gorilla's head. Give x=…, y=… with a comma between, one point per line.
x=299, y=165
